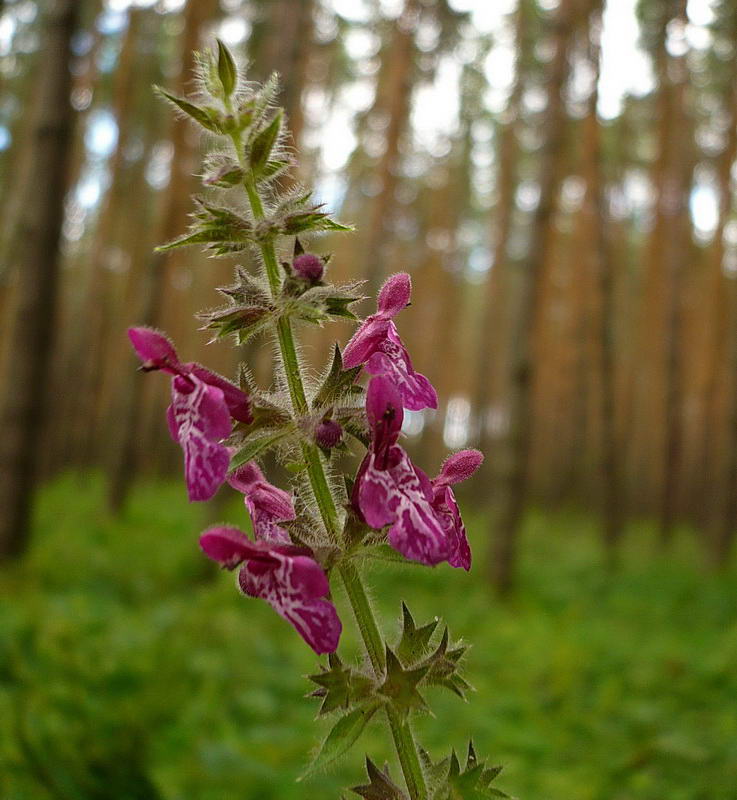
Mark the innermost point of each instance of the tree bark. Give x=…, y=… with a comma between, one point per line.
x=613, y=514
x=490, y=349
x=33, y=329
x=515, y=478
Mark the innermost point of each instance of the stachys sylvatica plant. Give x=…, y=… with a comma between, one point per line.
x=322, y=529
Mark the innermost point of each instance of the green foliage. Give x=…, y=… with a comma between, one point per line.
x=125, y=659
x=227, y=72
x=343, y=735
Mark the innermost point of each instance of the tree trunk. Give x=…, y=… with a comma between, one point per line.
x=32, y=333
x=613, y=516
x=515, y=478
x=393, y=100
x=489, y=346
x=674, y=206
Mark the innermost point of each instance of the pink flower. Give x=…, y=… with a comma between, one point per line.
x=267, y=504
x=426, y=525
x=377, y=345
x=199, y=417
x=284, y=576
x=456, y=468
x=390, y=490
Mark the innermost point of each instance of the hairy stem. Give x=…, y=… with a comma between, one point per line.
x=373, y=640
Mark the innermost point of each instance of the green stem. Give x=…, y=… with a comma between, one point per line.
x=404, y=741
x=372, y=638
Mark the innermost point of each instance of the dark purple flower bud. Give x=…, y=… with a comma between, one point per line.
x=308, y=266
x=328, y=433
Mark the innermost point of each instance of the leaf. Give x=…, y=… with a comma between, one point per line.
x=337, y=382
x=225, y=175
x=257, y=446
x=415, y=641
x=264, y=143
x=380, y=786
x=198, y=114
x=246, y=321
x=340, y=687
x=227, y=71
x=400, y=685
x=274, y=168
x=341, y=738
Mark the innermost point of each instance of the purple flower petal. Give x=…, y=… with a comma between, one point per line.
x=385, y=413
x=154, y=349
x=449, y=517
x=228, y=546
x=394, y=295
x=295, y=587
x=400, y=495
x=199, y=419
x=459, y=467
x=365, y=341
x=267, y=504
x=237, y=400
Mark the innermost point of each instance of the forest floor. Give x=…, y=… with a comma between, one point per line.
x=131, y=670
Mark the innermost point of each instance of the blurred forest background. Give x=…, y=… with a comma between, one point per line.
x=559, y=179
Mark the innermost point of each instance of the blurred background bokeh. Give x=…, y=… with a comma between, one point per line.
x=558, y=176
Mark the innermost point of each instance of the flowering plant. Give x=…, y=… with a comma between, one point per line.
x=323, y=528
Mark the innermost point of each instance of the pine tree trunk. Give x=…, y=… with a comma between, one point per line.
x=393, y=99
x=674, y=204
x=515, y=477
x=596, y=206
x=33, y=329
x=489, y=347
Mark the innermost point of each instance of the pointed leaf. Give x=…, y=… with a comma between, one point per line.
x=341, y=738
x=264, y=143
x=198, y=114
x=227, y=71
x=258, y=446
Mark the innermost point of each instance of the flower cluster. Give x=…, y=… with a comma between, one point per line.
x=323, y=527
x=390, y=492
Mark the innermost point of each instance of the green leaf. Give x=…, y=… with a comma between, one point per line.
x=380, y=786
x=227, y=71
x=264, y=143
x=258, y=446
x=342, y=737
x=224, y=176
x=196, y=237
x=200, y=115
x=273, y=168
x=340, y=687
x=244, y=320
x=415, y=641
x=336, y=383
x=400, y=685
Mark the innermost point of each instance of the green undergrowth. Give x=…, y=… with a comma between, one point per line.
x=130, y=668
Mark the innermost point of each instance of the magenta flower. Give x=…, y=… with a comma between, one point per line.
x=286, y=577
x=199, y=417
x=267, y=504
x=377, y=345
x=456, y=468
x=390, y=489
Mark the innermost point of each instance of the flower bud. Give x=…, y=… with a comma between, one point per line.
x=308, y=266
x=328, y=433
